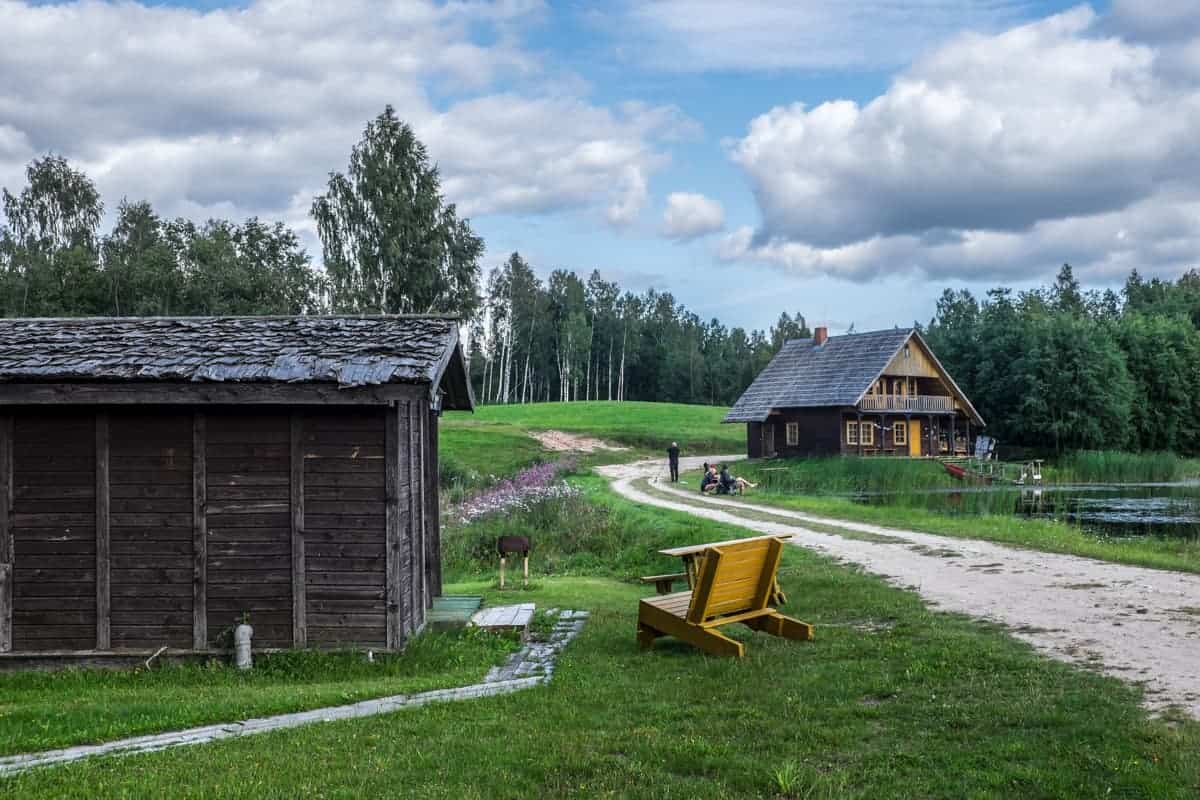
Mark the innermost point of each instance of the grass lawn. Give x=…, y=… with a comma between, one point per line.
x=1048, y=535
x=46, y=710
x=650, y=426
x=891, y=700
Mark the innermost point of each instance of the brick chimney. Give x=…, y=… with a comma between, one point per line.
x=820, y=335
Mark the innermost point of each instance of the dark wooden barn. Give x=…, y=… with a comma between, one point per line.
x=161, y=478
x=876, y=393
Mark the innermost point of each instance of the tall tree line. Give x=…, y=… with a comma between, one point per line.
x=54, y=262
x=567, y=338
x=1060, y=368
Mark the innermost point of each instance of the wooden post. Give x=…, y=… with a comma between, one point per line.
x=415, y=530
x=299, y=570
x=394, y=525
x=199, y=532
x=969, y=453
x=103, y=560
x=860, y=436
x=7, y=556
x=435, y=520
x=525, y=577
x=953, y=451
x=932, y=438
x=422, y=429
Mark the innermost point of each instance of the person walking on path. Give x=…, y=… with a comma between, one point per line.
x=673, y=461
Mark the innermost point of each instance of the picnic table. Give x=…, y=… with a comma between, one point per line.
x=693, y=563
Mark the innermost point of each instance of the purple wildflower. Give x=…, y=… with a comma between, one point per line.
x=530, y=486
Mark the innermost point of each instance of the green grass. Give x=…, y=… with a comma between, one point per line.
x=892, y=700
x=1114, y=466
x=1049, y=535
x=473, y=454
x=593, y=534
x=845, y=475
x=650, y=426
x=44, y=710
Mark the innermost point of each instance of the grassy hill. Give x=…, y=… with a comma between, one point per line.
x=495, y=440
x=651, y=426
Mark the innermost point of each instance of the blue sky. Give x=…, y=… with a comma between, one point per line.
x=844, y=160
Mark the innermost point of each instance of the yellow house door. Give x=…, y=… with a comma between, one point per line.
x=914, y=437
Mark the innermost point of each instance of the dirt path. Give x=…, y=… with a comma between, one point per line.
x=1139, y=625
x=562, y=442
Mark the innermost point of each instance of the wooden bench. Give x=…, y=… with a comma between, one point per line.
x=663, y=584
x=734, y=584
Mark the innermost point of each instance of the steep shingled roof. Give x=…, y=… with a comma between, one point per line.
x=348, y=351
x=802, y=375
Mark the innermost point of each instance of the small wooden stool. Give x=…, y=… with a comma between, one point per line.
x=514, y=544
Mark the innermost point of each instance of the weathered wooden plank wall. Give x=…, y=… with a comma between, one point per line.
x=345, y=526
x=6, y=530
x=248, y=483
x=151, y=528
x=138, y=528
x=54, y=531
x=103, y=549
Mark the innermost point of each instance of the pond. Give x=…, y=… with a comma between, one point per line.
x=1110, y=509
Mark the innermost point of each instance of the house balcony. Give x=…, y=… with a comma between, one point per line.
x=908, y=404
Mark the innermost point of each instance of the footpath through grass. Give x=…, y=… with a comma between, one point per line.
x=890, y=701
x=47, y=710
x=1047, y=535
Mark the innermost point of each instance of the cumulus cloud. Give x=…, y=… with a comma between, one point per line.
x=991, y=152
x=689, y=215
x=708, y=35
x=240, y=111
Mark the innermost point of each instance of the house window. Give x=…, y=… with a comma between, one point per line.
x=899, y=433
x=793, y=434
x=851, y=433
x=867, y=432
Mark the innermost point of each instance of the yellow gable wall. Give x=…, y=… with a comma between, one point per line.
x=917, y=365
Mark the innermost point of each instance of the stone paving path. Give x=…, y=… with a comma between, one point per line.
x=1137, y=624
x=530, y=666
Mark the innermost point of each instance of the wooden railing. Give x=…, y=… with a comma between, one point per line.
x=911, y=403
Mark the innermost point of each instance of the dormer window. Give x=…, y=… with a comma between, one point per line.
x=907, y=351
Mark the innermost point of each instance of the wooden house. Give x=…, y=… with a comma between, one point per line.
x=878, y=393
x=161, y=479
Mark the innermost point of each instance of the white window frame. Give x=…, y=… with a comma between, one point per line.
x=793, y=434
x=866, y=433
x=851, y=432
x=899, y=433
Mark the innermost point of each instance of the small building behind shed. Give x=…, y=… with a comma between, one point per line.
x=163, y=478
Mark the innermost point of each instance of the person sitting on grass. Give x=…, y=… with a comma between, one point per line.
x=710, y=482
x=730, y=484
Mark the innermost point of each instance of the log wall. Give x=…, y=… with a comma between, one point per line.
x=133, y=528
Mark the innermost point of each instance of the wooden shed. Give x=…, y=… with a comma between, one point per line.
x=161, y=478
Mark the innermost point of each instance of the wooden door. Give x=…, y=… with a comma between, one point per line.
x=914, y=437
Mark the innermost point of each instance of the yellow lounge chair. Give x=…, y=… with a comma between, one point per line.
x=734, y=584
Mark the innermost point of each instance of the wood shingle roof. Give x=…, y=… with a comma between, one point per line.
x=347, y=351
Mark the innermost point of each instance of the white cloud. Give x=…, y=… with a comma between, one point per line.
x=245, y=111
x=707, y=35
x=689, y=215
x=991, y=155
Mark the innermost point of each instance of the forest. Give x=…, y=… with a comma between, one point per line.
x=1055, y=368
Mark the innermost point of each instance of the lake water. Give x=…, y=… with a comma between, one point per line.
x=1124, y=509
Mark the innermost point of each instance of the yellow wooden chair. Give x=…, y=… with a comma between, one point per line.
x=734, y=583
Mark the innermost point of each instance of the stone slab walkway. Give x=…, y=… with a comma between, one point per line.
x=1137, y=624
x=530, y=666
